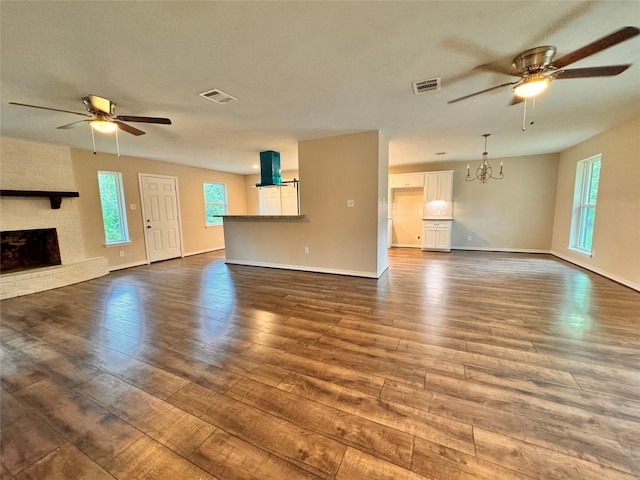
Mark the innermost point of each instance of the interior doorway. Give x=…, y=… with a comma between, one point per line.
x=161, y=215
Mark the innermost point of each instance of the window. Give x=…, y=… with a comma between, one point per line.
x=584, y=204
x=114, y=216
x=215, y=203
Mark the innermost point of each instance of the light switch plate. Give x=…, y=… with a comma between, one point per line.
x=351, y=203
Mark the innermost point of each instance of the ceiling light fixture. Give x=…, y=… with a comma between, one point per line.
x=484, y=171
x=104, y=126
x=531, y=86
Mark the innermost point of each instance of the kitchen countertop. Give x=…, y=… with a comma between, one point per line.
x=262, y=217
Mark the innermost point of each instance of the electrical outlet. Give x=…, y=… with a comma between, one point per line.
x=122, y=253
x=306, y=249
x=469, y=238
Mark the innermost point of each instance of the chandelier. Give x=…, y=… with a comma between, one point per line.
x=484, y=171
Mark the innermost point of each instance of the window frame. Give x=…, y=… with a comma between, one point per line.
x=581, y=236
x=225, y=205
x=122, y=211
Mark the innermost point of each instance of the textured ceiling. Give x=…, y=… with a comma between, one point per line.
x=304, y=70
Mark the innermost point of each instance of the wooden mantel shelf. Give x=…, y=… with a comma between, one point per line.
x=54, y=197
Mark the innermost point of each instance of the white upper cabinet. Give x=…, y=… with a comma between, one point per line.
x=406, y=180
x=438, y=186
x=438, y=194
x=279, y=200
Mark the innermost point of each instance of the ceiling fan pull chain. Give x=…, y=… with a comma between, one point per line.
x=533, y=110
x=524, y=115
x=93, y=139
x=117, y=144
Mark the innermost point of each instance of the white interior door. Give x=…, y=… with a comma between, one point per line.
x=161, y=217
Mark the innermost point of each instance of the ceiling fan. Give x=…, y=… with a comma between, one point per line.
x=102, y=116
x=537, y=68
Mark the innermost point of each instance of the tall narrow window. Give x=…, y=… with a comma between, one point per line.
x=584, y=204
x=215, y=203
x=114, y=216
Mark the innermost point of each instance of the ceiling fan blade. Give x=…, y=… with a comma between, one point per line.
x=130, y=118
x=48, y=108
x=481, y=91
x=129, y=129
x=609, y=41
x=516, y=100
x=74, y=124
x=497, y=68
x=608, y=71
x=100, y=104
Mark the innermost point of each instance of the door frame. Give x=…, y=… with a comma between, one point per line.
x=144, y=225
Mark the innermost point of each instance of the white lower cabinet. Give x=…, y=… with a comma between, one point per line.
x=436, y=235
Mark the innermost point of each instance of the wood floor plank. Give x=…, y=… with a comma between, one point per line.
x=357, y=464
x=64, y=463
x=598, y=402
x=239, y=364
x=384, y=442
x=340, y=375
x=24, y=437
x=540, y=462
x=438, y=462
x=149, y=460
x=581, y=439
x=303, y=447
x=230, y=458
x=395, y=357
x=451, y=366
x=174, y=428
x=98, y=433
x=436, y=428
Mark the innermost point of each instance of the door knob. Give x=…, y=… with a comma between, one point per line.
x=148, y=226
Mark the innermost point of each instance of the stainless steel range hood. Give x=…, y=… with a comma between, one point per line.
x=270, y=173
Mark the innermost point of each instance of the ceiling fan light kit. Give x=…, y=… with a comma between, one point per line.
x=531, y=86
x=536, y=67
x=103, y=118
x=103, y=126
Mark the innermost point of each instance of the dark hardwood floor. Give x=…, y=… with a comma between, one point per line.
x=452, y=366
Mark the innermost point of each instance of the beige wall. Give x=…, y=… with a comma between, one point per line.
x=251, y=192
x=616, y=236
x=515, y=213
x=407, y=216
x=196, y=237
x=340, y=239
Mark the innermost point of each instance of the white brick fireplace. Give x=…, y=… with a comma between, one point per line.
x=27, y=165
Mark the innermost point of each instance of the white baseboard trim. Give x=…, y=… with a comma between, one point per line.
x=599, y=271
x=405, y=245
x=127, y=265
x=303, y=268
x=206, y=250
x=498, y=249
x=382, y=270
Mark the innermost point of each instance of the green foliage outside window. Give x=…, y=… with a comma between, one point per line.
x=585, y=198
x=111, y=200
x=215, y=203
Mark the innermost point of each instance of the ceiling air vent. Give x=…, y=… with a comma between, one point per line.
x=427, y=85
x=218, y=96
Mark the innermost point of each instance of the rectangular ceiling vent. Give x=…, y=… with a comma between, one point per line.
x=427, y=85
x=218, y=96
